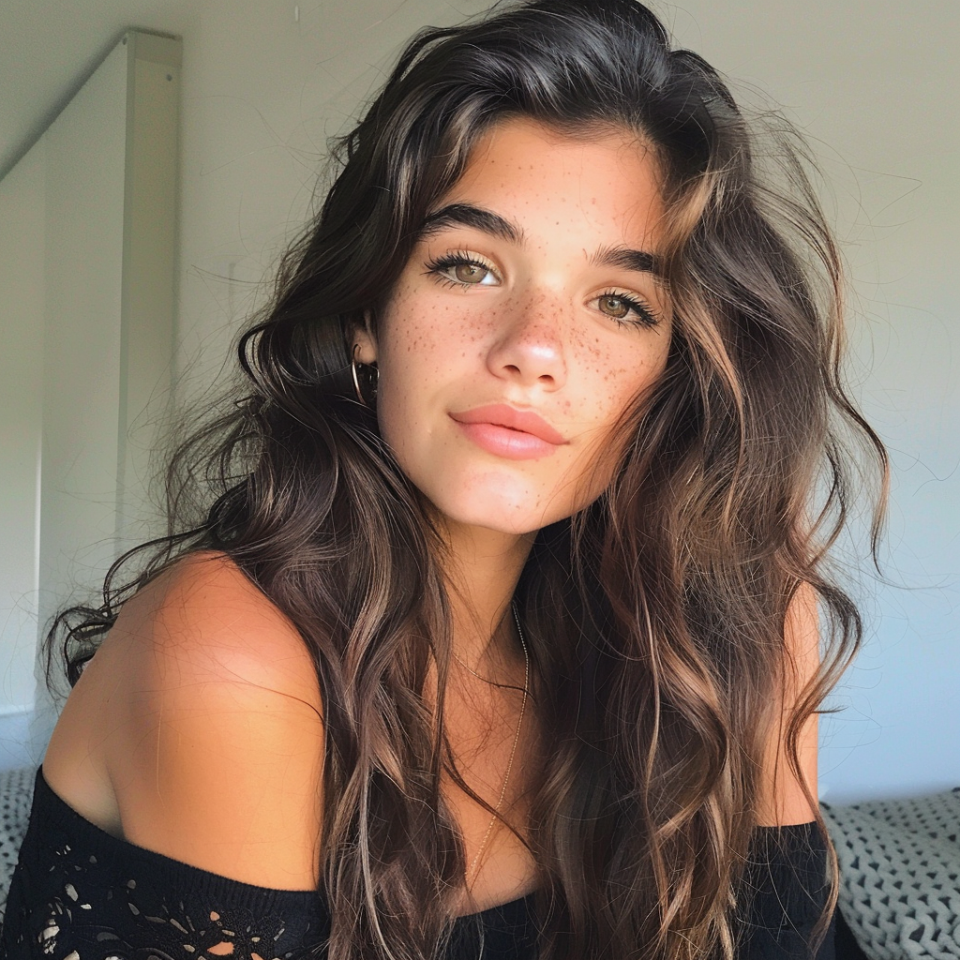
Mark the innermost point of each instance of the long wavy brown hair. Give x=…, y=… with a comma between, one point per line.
x=655, y=617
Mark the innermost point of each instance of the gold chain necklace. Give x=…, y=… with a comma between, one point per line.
x=475, y=864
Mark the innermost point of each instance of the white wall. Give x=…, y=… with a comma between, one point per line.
x=87, y=240
x=86, y=159
x=111, y=193
x=22, y=196
x=873, y=85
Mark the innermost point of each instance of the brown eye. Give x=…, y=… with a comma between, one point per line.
x=615, y=307
x=462, y=270
x=625, y=310
x=469, y=272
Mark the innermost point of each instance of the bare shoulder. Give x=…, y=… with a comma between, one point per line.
x=204, y=620
x=203, y=710
x=783, y=800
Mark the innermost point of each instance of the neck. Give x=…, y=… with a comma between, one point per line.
x=483, y=567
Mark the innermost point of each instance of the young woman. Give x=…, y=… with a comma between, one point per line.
x=500, y=638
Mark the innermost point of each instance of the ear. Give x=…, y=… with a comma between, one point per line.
x=363, y=344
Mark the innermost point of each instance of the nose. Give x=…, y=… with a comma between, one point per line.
x=529, y=348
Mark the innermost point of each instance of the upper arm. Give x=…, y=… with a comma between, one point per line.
x=782, y=799
x=218, y=753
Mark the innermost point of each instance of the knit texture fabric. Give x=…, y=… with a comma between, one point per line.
x=900, y=875
x=16, y=795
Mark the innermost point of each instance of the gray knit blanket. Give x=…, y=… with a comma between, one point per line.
x=16, y=796
x=900, y=875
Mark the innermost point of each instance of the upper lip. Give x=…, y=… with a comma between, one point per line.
x=506, y=416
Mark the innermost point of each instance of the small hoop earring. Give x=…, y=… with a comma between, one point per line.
x=370, y=373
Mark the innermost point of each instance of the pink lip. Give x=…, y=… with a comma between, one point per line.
x=515, y=434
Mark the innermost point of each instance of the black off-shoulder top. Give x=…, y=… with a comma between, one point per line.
x=79, y=893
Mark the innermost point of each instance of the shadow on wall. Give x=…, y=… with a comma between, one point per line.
x=16, y=747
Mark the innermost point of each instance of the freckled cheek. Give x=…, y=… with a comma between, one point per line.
x=425, y=342
x=602, y=369
x=614, y=379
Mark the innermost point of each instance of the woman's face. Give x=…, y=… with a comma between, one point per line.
x=528, y=318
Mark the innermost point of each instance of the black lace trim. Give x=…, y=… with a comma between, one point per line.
x=80, y=894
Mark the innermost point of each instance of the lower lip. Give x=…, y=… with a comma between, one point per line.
x=504, y=442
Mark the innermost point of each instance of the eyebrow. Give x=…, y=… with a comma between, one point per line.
x=468, y=215
x=639, y=260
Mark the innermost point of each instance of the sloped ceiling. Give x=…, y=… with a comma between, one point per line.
x=48, y=48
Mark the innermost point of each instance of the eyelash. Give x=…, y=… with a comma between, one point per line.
x=645, y=317
x=456, y=259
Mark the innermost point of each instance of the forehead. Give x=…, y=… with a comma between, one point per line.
x=606, y=177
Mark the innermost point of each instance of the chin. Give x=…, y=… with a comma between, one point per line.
x=521, y=526
x=516, y=515
x=499, y=500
